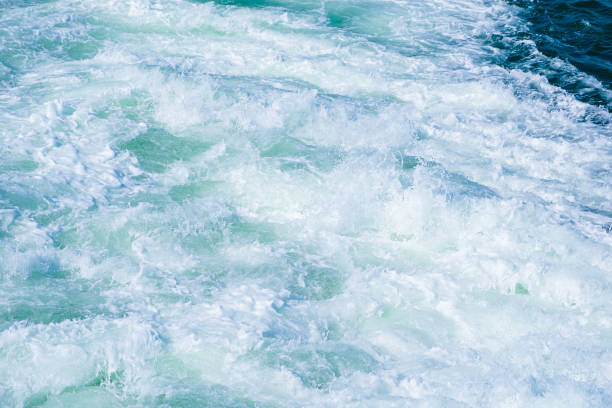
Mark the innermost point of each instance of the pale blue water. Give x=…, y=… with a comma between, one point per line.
x=299, y=204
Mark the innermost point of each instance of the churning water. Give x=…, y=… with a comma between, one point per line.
x=305, y=203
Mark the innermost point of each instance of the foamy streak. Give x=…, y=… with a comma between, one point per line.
x=207, y=204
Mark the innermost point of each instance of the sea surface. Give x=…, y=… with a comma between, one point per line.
x=305, y=203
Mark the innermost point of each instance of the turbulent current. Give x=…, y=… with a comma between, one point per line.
x=305, y=203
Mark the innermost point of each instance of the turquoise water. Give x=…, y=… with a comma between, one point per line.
x=298, y=204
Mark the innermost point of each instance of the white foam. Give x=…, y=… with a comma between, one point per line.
x=377, y=216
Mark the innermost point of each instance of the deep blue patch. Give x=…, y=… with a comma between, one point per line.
x=576, y=31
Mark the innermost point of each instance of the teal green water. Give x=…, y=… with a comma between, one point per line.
x=296, y=204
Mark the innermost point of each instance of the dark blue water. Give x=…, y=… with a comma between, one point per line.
x=577, y=32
